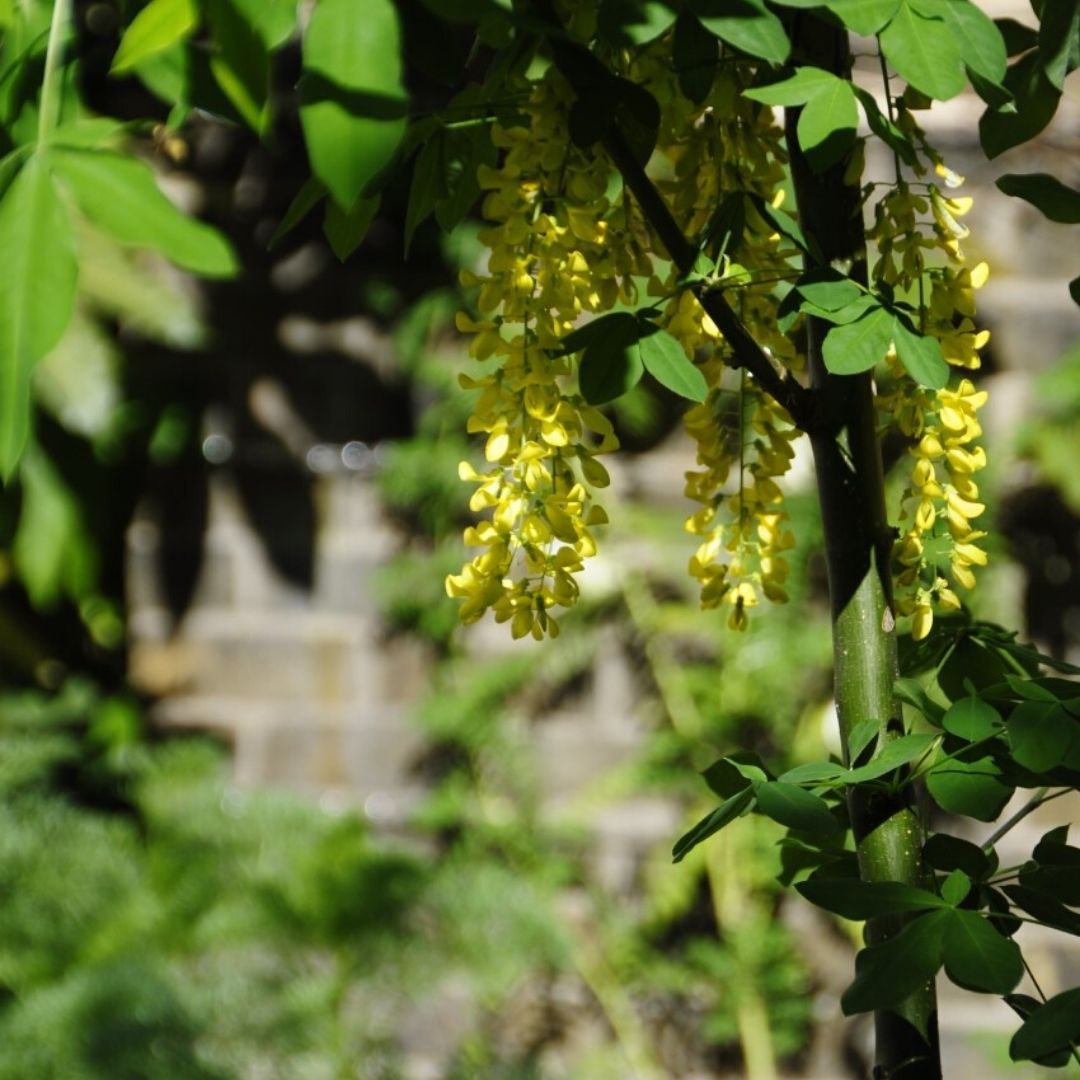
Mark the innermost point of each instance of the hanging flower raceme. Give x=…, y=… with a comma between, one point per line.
x=919, y=255
x=549, y=262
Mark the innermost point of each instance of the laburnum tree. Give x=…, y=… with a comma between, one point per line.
x=675, y=187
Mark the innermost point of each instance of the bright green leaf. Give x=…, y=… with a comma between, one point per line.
x=827, y=125
x=119, y=194
x=955, y=888
x=865, y=17
x=666, y=361
x=858, y=346
x=1041, y=735
x=797, y=89
x=828, y=289
x=884, y=128
x=1046, y=193
x=794, y=807
x=159, y=26
x=890, y=757
x=862, y=735
x=983, y=46
x=273, y=20
x=921, y=355
x=37, y=294
x=352, y=96
x=748, y=25
x=813, y=772
x=924, y=52
x=240, y=62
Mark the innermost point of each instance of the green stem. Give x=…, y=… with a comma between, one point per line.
x=858, y=541
x=49, y=106
x=1032, y=804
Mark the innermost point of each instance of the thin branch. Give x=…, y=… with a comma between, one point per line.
x=1033, y=803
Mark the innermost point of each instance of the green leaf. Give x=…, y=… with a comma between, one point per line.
x=794, y=807
x=119, y=194
x=884, y=128
x=944, y=852
x=924, y=53
x=828, y=289
x=352, y=95
x=426, y=187
x=1036, y=101
x=827, y=125
x=972, y=719
x=854, y=899
x=891, y=756
x=1044, y=907
x=865, y=17
x=977, y=957
x=723, y=815
x=1041, y=735
x=240, y=62
x=273, y=20
x=955, y=888
x=611, y=364
x=463, y=150
x=813, y=772
x=695, y=56
x=666, y=361
x=1053, y=1026
x=797, y=89
x=37, y=294
x=862, y=735
x=1059, y=39
x=732, y=774
x=345, y=230
x=748, y=25
x=983, y=46
x=911, y=692
x=306, y=199
x=969, y=788
x=921, y=355
x=858, y=346
x=1018, y=38
x=888, y=973
x=633, y=22
x=1046, y=193
x=159, y=26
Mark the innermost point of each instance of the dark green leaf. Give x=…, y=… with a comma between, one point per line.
x=794, y=807
x=748, y=25
x=970, y=788
x=972, y=719
x=1036, y=102
x=464, y=150
x=1060, y=881
x=827, y=125
x=612, y=365
x=924, y=53
x=944, y=852
x=1059, y=39
x=37, y=294
x=666, y=361
x=695, y=55
x=352, y=96
x=1041, y=735
x=1074, y=290
x=1018, y=38
x=590, y=119
x=886, y=974
x=983, y=45
x=977, y=957
x=784, y=224
x=119, y=194
x=426, y=187
x=307, y=198
x=867, y=899
x=345, y=230
x=159, y=26
x=921, y=356
x=858, y=346
x=723, y=815
x=862, y=735
x=891, y=756
x=732, y=774
x=1046, y=193
x=911, y=692
x=1048, y=909
x=1051, y=1027
x=617, y=324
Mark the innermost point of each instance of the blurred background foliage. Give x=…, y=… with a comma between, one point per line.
x=159, y=921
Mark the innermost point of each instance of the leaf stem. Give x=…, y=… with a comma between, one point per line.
x=1032, y=804
x=49, y=106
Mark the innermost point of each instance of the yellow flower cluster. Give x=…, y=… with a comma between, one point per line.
x=550, y=260
x=940, y=501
